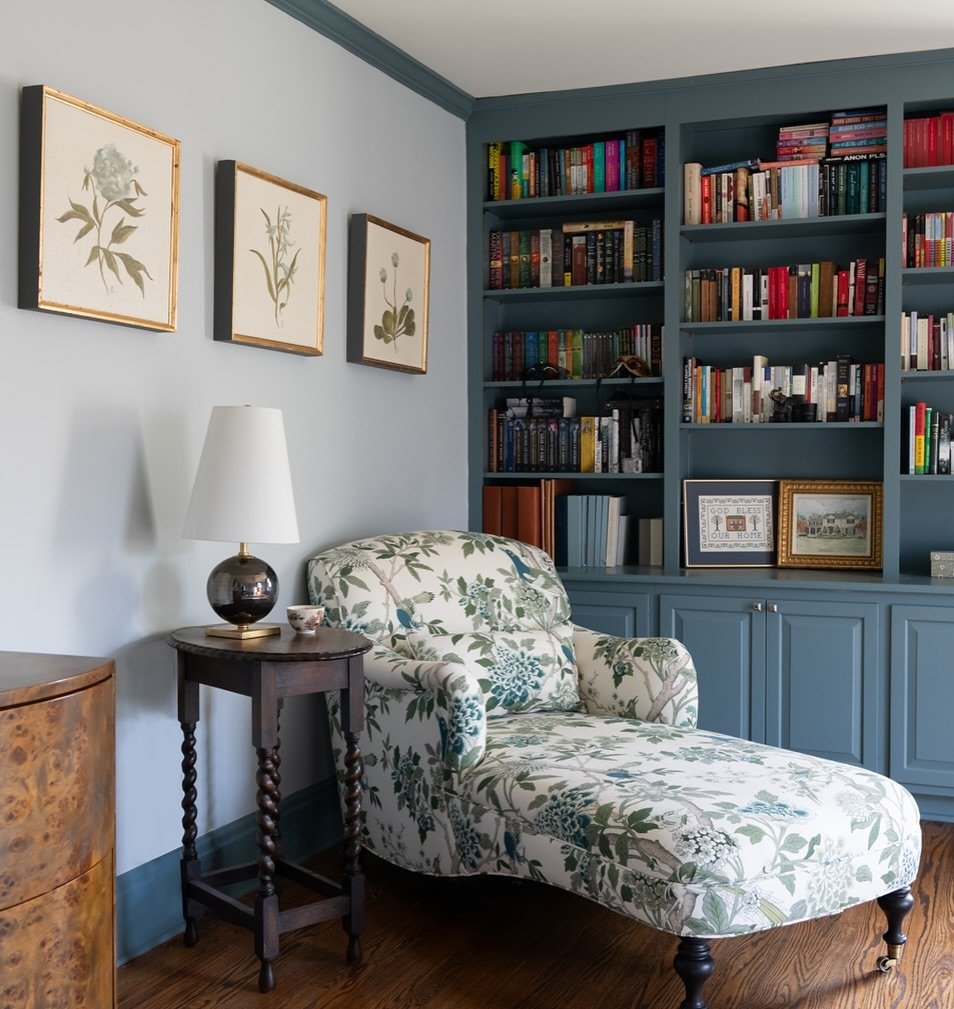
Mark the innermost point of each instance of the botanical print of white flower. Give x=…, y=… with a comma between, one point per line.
x=395, y=322
x=113, y=186
x=279, y=274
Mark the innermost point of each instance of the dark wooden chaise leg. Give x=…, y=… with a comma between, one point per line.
x=694, y=964
x=895, y=906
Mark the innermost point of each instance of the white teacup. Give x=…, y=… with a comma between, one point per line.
x=305, y=619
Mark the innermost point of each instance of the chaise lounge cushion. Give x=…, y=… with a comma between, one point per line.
x=517, y=671
x=691, y=832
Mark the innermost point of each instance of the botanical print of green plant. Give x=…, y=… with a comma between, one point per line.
x=395, y=321
x=279, y=273
x=114, y=187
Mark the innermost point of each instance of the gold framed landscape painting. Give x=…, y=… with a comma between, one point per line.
x=269, y=260
x=830, y=524
x=388, y=291
x=99, y=213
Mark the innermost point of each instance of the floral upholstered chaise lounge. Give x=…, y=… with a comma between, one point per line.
x=501, y=738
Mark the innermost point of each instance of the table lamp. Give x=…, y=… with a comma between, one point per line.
x=243, y=493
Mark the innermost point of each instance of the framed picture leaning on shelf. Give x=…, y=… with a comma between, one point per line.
x=388, y=289
x=829, y=524
x=99, y=213
x=269, y=260
x=729, y=523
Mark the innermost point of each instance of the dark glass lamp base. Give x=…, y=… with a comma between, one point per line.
x=242, y=590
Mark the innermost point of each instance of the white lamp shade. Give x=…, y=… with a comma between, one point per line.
x=243, y=488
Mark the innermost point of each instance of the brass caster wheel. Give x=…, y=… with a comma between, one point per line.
x=885, y=963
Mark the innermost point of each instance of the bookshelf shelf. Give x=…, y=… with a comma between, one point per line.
x=923, y=276
x=770, y=327
x=935, y=177
x=527, y=475
x=831, y=427
x=624, y=201
x=578, y=292
x=838, y=224
x=534, y=388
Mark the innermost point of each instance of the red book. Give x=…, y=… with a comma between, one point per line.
x=861, y=280
x=492, y=502
x=705, y=186
x=648, y=162
x=842, y=288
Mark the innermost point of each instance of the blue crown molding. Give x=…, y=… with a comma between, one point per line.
x=328, y=20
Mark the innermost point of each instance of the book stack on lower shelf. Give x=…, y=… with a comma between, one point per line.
x=928, y=239
x=836, y=391
x=546, y=436
x=929, y=441
x=818, y=290
x=927, y=341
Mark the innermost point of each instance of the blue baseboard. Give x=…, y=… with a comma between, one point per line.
x=148, y=900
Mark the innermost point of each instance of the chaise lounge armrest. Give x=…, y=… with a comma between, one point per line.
x=443, y=693
x=650, y=679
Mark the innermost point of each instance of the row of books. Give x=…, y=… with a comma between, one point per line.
x=927, y=341
x=547, y=437
x=575, y=353
x=839, y=390
x=802, y=140
x=928, y=239
x=524, y=512
x=797, y=291
x=576, y=253
x=576, y=530
x=594, y=530
x=929, y=140
x=769, y=191
x=858, y=131
x=862, y=130
x=634, y=159
x=928, y=448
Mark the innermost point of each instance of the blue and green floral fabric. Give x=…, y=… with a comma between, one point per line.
x=520, y=670
x=623, y=801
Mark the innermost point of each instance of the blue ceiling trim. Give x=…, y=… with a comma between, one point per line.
x=328, y=20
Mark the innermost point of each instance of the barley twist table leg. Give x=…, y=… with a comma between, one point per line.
x=188, y=865
x=353, y=878
x=266, y=899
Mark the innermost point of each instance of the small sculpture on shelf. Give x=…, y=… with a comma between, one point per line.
x=782, y=412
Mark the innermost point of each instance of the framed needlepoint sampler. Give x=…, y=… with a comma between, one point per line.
x=99, y=213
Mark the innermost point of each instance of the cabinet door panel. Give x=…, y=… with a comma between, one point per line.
x=922, y=695
x=821, y=680
x=726, y=638
x=625, y=614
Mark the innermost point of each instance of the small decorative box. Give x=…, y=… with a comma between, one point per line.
x=942, y=564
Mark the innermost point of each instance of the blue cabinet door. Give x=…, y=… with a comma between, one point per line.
x=726, y=637
x=823, y=680
x=922, y=697
x=626, y=614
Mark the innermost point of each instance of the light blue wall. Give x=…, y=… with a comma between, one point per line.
x=101, y=426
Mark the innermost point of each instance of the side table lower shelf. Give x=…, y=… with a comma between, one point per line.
x=268, y=670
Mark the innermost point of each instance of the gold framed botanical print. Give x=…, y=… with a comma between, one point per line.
x=99, y=213
x=388, y=291
x=269, y=260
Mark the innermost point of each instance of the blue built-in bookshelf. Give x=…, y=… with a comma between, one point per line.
x=835, y=657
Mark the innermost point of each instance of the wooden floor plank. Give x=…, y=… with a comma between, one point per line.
x=504, y=944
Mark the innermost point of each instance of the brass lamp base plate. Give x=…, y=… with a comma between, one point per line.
x=242, y=632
